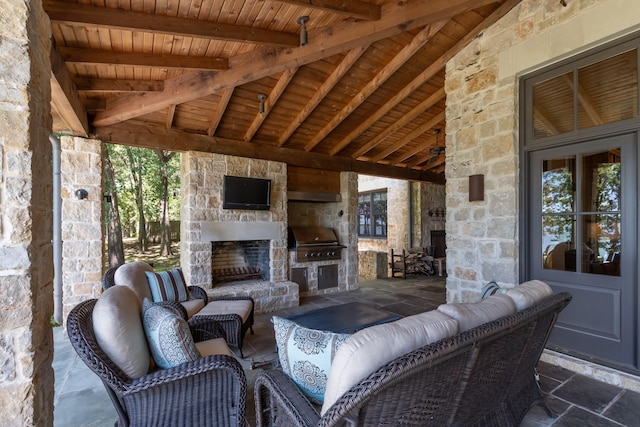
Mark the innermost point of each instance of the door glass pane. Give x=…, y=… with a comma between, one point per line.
x=553, y=106
x=608, y=90
x=558, y=216
x=602, y=201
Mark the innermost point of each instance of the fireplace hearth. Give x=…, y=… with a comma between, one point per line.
x=239, y=260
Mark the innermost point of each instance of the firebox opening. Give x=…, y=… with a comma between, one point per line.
x=239, y=260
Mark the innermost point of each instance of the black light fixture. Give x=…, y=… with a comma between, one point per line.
x=476, y=188
x=82, y=194
x=262, y=98
x=302, y=21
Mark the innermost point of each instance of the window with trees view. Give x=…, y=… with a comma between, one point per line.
x=372, y=214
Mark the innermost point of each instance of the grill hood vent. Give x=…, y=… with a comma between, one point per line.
x=313, y=196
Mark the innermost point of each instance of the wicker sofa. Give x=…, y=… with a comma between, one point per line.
x=482, y=372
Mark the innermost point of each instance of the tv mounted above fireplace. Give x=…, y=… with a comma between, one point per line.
x=246, y=193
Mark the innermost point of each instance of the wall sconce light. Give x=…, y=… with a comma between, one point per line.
x=262, y=98
x=302, y=21
x=476, y=188
x=82, y=194
x=107, y=198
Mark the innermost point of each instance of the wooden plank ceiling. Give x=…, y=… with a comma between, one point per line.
x=365, y=93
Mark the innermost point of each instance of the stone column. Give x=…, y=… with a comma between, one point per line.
x=26, y=268
x=82, y=242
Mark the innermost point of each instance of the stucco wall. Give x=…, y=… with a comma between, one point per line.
x=482, y=127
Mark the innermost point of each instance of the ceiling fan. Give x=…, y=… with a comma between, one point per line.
x=437, y=150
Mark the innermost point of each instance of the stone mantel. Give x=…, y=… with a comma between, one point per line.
x=223, y=231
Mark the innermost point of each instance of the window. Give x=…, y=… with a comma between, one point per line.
x=372, y=214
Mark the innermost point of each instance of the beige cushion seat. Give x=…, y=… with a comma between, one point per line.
x=240, y=307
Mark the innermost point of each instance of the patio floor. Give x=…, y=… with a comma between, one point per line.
x=80, y=398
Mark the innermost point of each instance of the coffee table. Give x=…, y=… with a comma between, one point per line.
x=344, y=318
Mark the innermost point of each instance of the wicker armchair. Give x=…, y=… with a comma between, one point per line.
x=235, y=324
x=210, y=391
x=481, y=377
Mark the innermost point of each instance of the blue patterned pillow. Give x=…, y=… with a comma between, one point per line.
x=305, y=355
x=168, y=334
x=167, y=285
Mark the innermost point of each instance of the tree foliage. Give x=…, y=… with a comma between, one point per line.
x=147, y=184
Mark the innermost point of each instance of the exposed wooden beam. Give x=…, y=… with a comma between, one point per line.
x=225, y=96
x=170, y=115
x=355, y=8
x=65, y=97
x=372, y=85
x=430, y=71
x=91, y=56
x=80, y=15
x=409, y=137
x=435, y=97
x=333, y=39
x=544, y=119
x=345, y=65
x=585, y=101
x=118, y=85
x=157, y=137
x=271, y=100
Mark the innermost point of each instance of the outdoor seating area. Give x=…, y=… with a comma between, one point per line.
x=78, y=389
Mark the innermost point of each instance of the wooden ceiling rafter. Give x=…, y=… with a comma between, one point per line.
x=160, y=60
x=266, y=61
x=409, y=137
x=329, y=83
x=225, y=97
x=170, y=115
x=374, y=83
x=64, y=95
x=81, y=15
x=271, y=100
x=355, y=8
x=406, y=118
x=118, y=85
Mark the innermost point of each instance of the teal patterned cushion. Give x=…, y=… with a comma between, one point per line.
x=305, y=355
x=168, y=334
x=167, y=285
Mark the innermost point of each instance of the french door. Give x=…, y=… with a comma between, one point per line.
x=582, y=237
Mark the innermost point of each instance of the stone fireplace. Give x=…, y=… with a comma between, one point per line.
x=239, y=260
x=207, y=227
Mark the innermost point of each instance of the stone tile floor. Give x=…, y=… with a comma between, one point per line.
x=80, y=398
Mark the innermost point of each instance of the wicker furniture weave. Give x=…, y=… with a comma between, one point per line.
x=481, y=377
x=232, y=324
x=210, y=391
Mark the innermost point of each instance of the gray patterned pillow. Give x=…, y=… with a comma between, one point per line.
x=168, y=335
x=305, y=355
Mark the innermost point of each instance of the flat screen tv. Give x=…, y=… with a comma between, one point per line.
x=246, y=193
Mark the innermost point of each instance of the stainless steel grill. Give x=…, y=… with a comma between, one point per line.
x=314, y=244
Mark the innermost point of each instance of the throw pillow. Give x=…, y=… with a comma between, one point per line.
x=167, y=285
x=168, y=335
x=305, y=355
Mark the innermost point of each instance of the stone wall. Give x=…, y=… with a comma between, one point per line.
x=482, y=127
x=82, y=225
x=26, y=270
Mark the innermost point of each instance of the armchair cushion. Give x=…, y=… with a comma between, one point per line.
x=240, y=307
x=528, y=293
x=193, y=306
x=167, y=285
x=470, y=315
x=305, y=355
x=169, y=336
x=132, y=276
x=370, y=348
x=118, y=330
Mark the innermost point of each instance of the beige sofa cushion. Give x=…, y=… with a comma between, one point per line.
x=132, y=276
x=193, y=306
x=369, y=349
x=117, y=325
x=239, y=307
x=213, y=347
x=528, y=293
x=475, y=314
